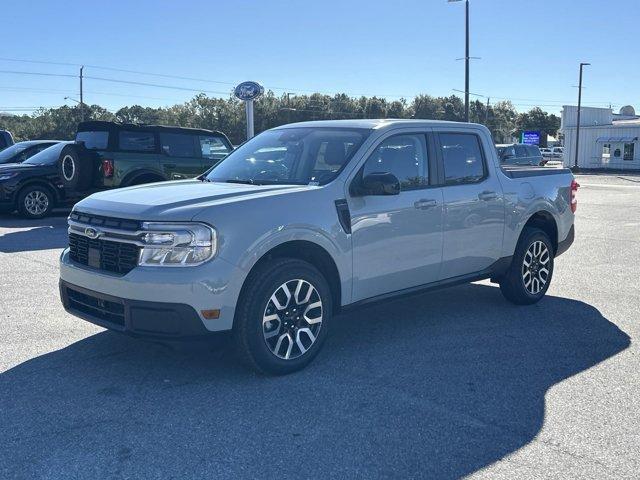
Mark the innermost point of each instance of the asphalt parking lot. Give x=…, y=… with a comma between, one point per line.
x=443, y=385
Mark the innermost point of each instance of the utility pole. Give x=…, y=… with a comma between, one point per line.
x=81, y=97
x=466, y=64
x=575, y=164
x=486, y=113
x=466, y=60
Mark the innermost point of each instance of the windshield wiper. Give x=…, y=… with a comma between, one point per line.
x=235, y=180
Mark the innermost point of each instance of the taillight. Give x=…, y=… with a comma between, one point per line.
x=574, y=201
x=107, y=168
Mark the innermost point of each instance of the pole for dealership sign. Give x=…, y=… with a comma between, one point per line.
x=248, y=92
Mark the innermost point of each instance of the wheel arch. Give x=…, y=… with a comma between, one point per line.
x=309, y=252
x=41, y=183
x=135, y=176
x=546, y=222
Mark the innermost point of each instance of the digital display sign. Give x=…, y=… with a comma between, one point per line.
x=530, y=137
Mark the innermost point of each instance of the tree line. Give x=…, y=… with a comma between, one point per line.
x=227, y=115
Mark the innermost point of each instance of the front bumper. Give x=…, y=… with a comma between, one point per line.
x=137, y=318
x=153, y=301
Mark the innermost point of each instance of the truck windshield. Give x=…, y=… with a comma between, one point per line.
x=298, y=156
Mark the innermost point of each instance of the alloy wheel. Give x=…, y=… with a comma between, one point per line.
x=292, y=319
x=36, y=202
x=535, y=267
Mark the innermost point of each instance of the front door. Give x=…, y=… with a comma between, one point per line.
x=397, y=239
x=473, y=206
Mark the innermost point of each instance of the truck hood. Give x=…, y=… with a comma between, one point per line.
x=174, y=201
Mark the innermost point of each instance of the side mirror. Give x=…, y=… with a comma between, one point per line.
x=380, y=183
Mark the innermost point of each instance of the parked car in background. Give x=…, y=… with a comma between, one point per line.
x=545, y=151
x=519, y=154
x=107, y=155
x=110, y=155
x=306, y=219
x=19, y=152
x=6, y=139
x=557, y=152
x=33, y=187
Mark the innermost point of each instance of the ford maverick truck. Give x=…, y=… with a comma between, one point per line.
x=306, y=219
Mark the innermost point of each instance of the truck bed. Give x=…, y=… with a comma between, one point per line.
x=523, y=171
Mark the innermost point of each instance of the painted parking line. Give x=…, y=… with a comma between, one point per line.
x=606, y=185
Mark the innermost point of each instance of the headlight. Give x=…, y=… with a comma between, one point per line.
x=7, y=176
x=177, y=244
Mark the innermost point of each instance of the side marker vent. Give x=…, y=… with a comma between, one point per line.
x=344, y=216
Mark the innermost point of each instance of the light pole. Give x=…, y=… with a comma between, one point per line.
x=575, y=164
x=466, y=60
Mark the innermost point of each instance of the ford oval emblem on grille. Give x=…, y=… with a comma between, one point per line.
x=92, y=233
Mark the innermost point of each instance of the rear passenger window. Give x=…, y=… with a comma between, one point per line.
x=178, y=144
x=137, y=141
x=462, y=158
x=403, y=155
x=521, y=151
x=213, y=147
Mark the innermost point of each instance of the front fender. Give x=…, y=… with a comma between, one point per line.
x=337, y=246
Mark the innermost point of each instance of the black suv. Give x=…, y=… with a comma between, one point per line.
x=107, y=155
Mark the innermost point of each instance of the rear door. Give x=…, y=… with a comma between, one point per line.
x=179, y=155
x=397, y=239
x=212, y=149
x=473, y=204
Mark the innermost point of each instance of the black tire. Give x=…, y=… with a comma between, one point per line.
x=519, y=287
x=252, y=346
x=76, y=167
x=35, y=201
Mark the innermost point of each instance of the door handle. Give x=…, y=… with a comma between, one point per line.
x=487, y=195
x=424, y=204
x=170, y=165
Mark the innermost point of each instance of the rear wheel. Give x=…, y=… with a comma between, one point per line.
x=35, y=201
x=283, y=318
x=529, y=275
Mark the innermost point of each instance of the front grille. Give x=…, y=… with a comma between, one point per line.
x=116, y=223
x=116, y=257
x=111, y=312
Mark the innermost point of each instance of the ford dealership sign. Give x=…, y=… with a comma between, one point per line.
x=248, y=91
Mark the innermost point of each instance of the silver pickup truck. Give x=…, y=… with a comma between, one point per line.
x=307, y=219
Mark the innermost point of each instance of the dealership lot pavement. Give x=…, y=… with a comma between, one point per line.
x=443, y=385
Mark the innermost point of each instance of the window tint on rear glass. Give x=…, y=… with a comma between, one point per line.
x=137, y=141
x=403, y=155
x=93, y=140
x=213, y=147
x=533, y=151
x=178, y=144
x=462, y=158
x=521, y=151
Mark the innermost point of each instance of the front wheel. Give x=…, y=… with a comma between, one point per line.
x=35, y=202
x=283, y=318
x=529, y=275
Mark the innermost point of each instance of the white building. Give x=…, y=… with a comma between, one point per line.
x=607, y=140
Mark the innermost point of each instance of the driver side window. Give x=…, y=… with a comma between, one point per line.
x=405, y=156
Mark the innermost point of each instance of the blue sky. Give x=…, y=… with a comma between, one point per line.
x=530, y=49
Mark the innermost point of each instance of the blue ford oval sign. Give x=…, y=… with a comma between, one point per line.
x=248, y=91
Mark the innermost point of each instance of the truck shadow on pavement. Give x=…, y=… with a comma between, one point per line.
x=29, y=235
x=436, y=386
